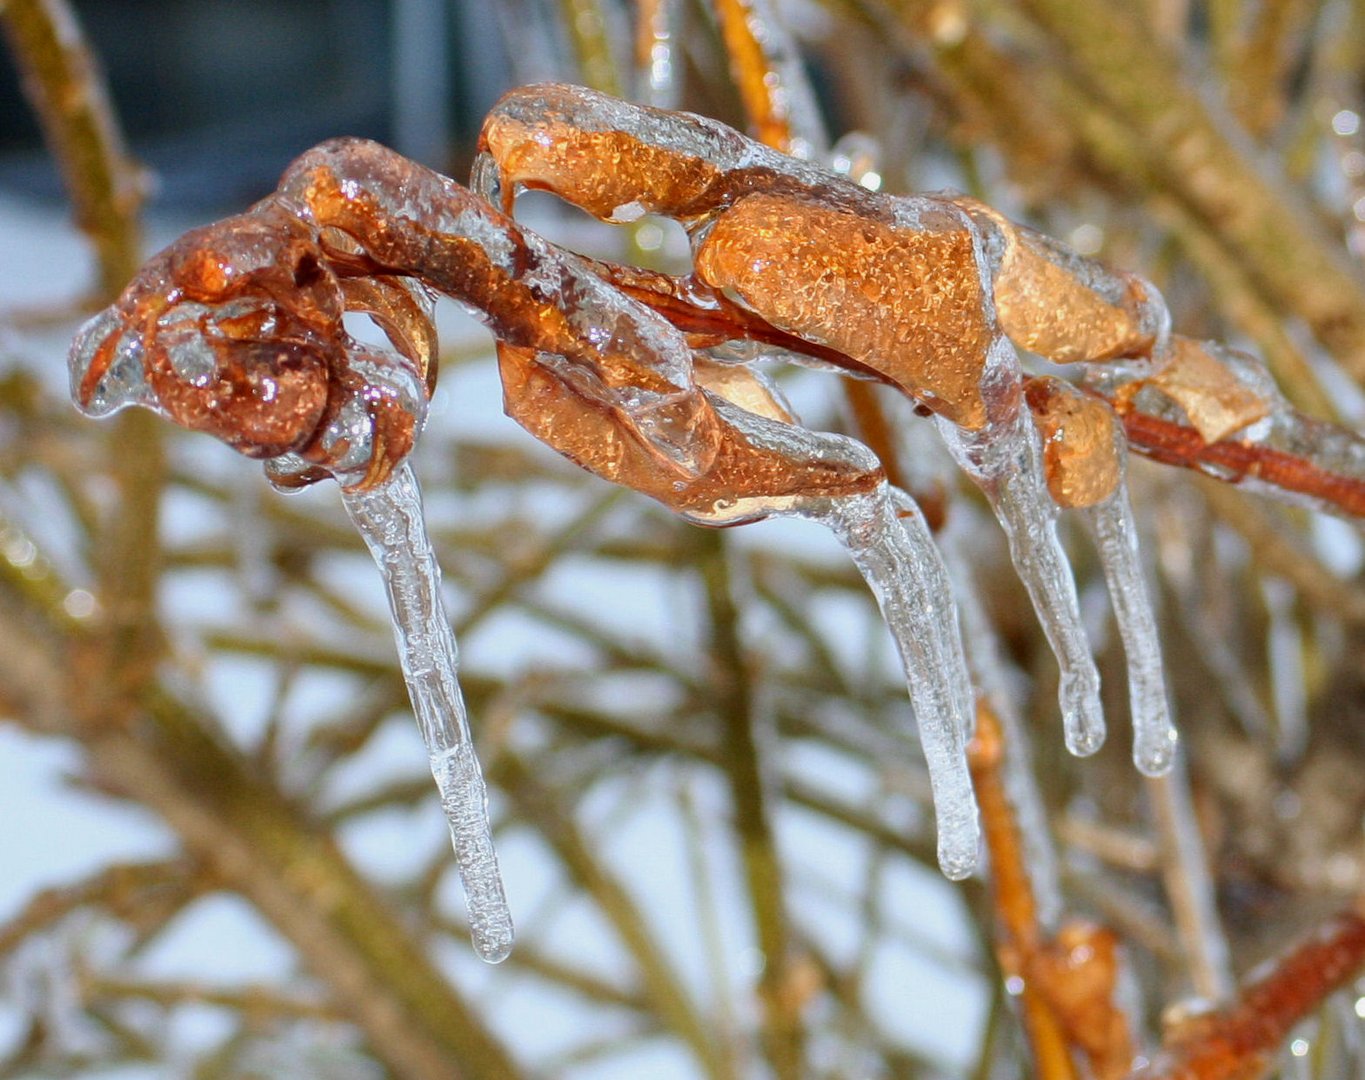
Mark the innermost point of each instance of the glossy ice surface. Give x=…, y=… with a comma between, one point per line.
x=236, y=330
x=391, y=521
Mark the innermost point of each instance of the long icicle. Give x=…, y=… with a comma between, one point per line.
x=989, y=674
x=391, y=520
x=896, y=554
x=1005, y=461
x=1154, y=736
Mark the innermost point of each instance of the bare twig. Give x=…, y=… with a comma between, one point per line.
x=67, y=90
x=1239, y=1042
x=741, y=718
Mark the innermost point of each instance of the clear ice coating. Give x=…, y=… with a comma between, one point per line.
x=1154, y=735
x=991, y=677
x=391, y=521
x=896, y=554
x=1005, y=461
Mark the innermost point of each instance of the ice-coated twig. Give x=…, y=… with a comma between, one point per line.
x=391, y=521
x=1239, y=1039
x=1154, y=735
x=1005, y=461
x=656, y=66
x=895, y=552
x=1285, y=455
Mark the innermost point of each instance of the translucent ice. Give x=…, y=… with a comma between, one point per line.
x=391, y=521
x=1154, y=736
x=1005, y=461
x=993, y=679
x=896, y=554
x=656, y=65
x=1288, y=680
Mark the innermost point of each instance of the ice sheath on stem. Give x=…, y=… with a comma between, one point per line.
x=391, y=521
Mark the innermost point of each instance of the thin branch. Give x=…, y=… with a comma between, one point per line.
x=145, y=894
x=1019, y=935
x=67, y=90
x=661, y=985
x=741, y=719
x=1239, y=1042
x=1116, y=59
x=249, y=1001
x=1189, y=885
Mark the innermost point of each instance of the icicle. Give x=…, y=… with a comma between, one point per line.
x=1284, y=655
x=1154, y=735
x=896, y=554
x=1005, y=461
x=990, y=676
x=391, y=521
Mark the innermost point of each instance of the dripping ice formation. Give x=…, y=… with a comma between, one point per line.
x=993, y=680
x=1154, y=735
x=896, y=554
x=1005, y=461
x=390, y=518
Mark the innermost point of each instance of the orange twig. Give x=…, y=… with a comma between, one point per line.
x=753, y=46
x=1019, y=935
x=754, y=73
x=1240, y=1041
x=1065, y=983
x=876, y=430
x=1234, y=460
x=711, y=318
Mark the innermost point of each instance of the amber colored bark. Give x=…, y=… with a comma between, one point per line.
x=875, y=430
x=1016, y=912
x=1240, y=1042
x=1174, y=444
x=711, y=318
x=754, y=76
x=758, y=81
x=1065, y=982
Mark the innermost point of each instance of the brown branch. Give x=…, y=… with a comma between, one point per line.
x=237, y=826
x=1240, y=1041
x=67, y=90
x=1066, y=983
x=1128, y=73
x=1053, y=129
x=753, y=72
x=744, y=767
x=143, y=894
x=1234, y=460
x=875, y=430
x=767, y=103
x=693, y=308
x=249, y=1001
x=667, y=996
